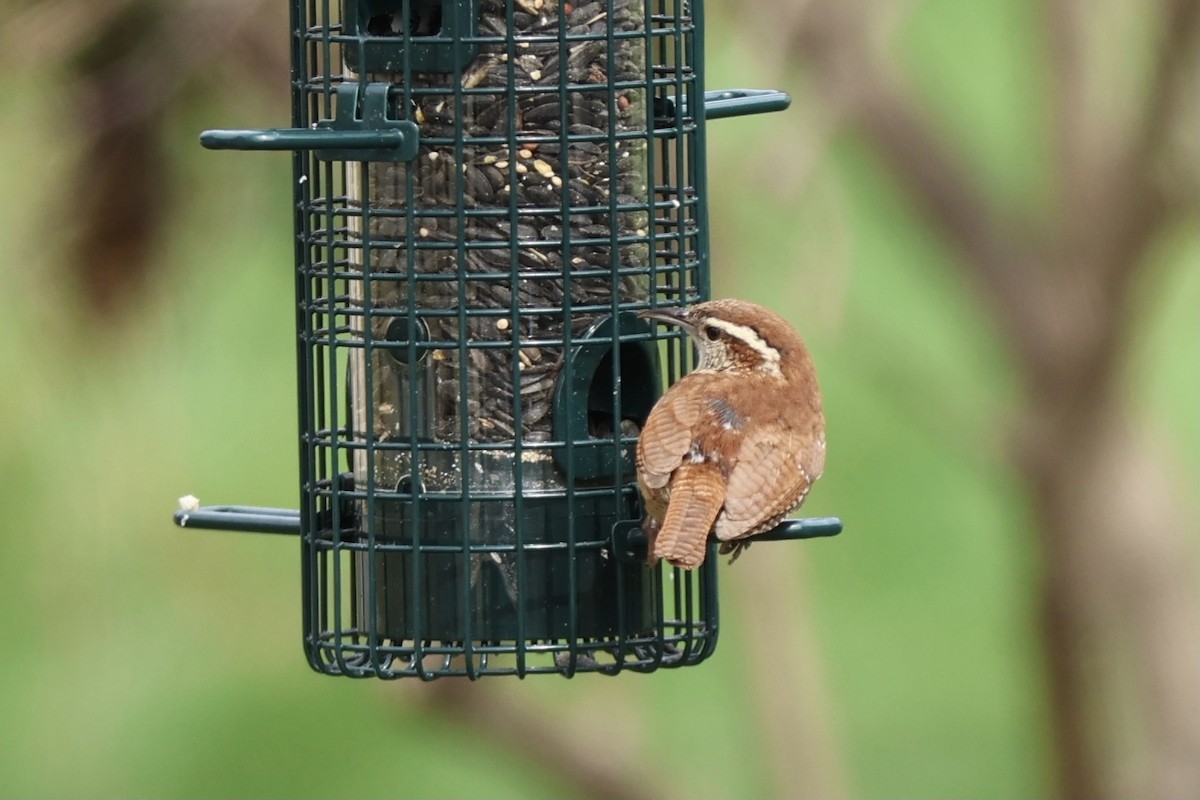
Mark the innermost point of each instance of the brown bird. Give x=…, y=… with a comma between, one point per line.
x=734, y=445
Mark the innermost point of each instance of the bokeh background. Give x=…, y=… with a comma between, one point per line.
x=982, y=214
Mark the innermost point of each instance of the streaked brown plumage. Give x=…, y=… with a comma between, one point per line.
x=733, y=446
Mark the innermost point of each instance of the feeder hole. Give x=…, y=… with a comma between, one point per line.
x=425, y=19
x=400, y=331
x=637, y=370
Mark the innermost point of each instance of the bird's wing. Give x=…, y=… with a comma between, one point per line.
x=772, y=476
x=696, y=496
x=668, y=434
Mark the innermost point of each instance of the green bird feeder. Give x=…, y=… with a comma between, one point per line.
x=486, y=193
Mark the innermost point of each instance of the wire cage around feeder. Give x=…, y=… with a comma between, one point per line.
x=487, y=192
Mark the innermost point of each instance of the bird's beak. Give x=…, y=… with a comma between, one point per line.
x=667, y=316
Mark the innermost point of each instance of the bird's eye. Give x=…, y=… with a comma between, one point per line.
x=712, y=332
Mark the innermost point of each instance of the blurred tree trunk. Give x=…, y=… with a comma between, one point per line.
x=1119, y=584
x=128, y=65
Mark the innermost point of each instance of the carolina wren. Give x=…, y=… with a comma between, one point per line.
x=733, y=446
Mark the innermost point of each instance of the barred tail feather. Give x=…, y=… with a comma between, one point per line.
x=697, y=494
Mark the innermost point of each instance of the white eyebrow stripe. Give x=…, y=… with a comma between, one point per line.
x=749, y=336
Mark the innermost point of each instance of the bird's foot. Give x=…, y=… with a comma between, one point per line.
x=735, y=547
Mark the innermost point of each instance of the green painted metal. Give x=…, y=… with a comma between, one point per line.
x=741, y=102
x=477, y=226
x=254, y=519
x=374, y=137
x=361, y=130
x=352, y=136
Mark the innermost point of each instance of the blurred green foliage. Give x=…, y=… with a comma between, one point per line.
x=141, y=660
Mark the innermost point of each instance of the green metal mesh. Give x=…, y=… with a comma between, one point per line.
x=474, y=375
